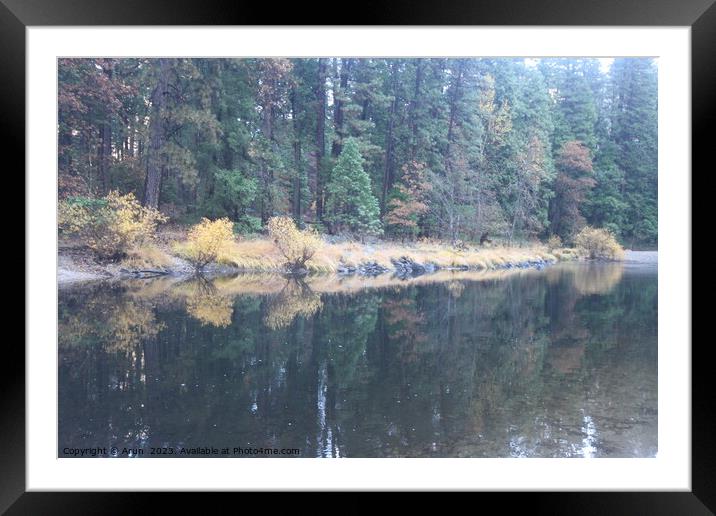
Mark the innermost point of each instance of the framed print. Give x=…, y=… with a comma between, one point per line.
x=442, y=248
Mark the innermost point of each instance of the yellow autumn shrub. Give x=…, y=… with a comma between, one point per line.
x=598, y=243
x=554, y=242
x=206, y=241
x=110, y=226
x=296, y=246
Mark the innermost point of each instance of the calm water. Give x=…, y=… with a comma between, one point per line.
x=554, y=363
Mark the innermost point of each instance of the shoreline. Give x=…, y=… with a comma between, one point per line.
x=217, y=290
x=77, y=266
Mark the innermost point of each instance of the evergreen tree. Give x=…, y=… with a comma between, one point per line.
x=575, y=111
x=605, y=205
x=232, y=195
x=253, y=138
x=351, y=204
x=635, y=135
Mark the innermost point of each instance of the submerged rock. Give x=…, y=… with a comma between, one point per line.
x=345, y=269
x=298, y=272
x=431, y=267
x=143, y=273
x=538, y=264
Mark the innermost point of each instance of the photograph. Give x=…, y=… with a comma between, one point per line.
x=351, y=256
x=444, y=250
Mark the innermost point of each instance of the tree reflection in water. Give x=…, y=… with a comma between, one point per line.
x=553, y=363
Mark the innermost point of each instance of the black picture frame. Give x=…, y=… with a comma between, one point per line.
x=700, y=15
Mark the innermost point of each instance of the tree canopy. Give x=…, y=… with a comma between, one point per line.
x=445, y=148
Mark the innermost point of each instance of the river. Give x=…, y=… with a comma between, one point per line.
x=560, y=362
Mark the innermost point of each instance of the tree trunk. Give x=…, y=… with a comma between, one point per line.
x=454, y=97
x=266, y=171
x=388, y=170
x=105, y=151
x=132, y=130
x=65, y=151
x=155, y=166
x=297, y=160
x=414, y=106
x=338, y=110
x=518, y=208
x=320, y=136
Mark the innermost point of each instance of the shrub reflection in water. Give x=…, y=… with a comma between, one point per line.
x=553, y=363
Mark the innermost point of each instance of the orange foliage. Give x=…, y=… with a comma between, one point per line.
x=411, y=199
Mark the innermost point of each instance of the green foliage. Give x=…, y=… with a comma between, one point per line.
x=232, y=196
x=351, y=204
x=635, y=136
x=575, y=110
x=234, y=189
x=247, y=225
x=606, y=206
x=85, y=203
x=324, y=141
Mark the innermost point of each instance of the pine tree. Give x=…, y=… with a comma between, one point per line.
x=575, y=111
x=254, y=138
x=635, y=134
x=351, y=204
x=605, y=206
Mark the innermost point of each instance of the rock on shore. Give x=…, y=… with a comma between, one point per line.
x=405, y=267
x=77, y=266
x=364, y=269
x=529, y=264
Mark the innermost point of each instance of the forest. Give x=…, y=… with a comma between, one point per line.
x=451, y=149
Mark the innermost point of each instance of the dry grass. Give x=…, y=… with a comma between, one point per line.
x=566, y=254
x=146, y=256
x=253, y=255
x=262, y=255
